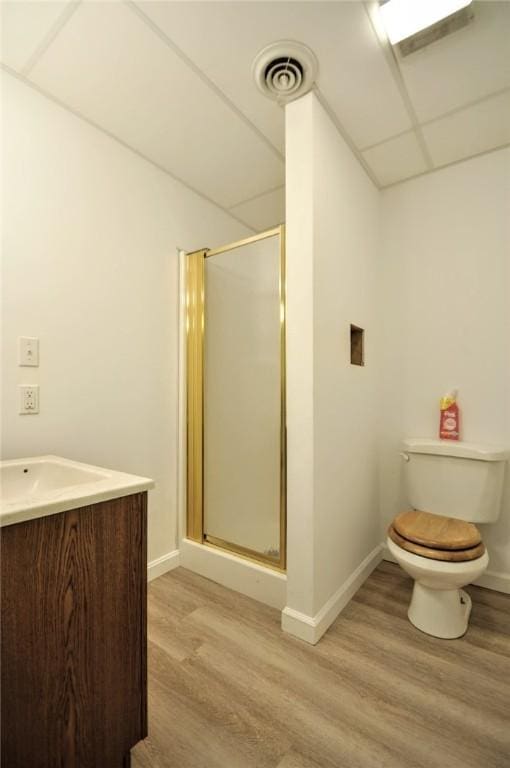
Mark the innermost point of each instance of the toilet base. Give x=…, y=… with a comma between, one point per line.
x=441, y=613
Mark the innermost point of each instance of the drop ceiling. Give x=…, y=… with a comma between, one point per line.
x=172, y=80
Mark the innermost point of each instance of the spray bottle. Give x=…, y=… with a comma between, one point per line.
x=449, y=423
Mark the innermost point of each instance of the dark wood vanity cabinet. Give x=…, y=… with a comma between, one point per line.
x=73, y=637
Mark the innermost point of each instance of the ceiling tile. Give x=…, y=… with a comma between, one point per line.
x=396, y=159
x=24, y=27
x=263, y=212
x=223, y=39
x=467, y=65
x=109, y=66
x=469, y=131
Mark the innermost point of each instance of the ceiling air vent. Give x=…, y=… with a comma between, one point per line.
x=285, y=70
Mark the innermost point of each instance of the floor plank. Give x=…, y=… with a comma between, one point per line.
x=227, y=689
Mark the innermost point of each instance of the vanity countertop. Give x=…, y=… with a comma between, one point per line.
x=45, y=485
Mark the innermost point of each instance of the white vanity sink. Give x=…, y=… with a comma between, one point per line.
x=45, y=485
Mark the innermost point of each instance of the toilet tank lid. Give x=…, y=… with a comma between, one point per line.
x=458, y=449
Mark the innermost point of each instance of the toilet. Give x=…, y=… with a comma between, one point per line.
x=450, y=486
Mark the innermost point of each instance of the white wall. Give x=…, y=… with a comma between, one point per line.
x=346, y=255
x=445, y=319
x=90, y=266
x=332, y=256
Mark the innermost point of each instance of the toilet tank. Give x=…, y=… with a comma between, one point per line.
x=455, y=479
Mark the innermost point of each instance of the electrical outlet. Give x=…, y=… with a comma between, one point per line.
x=29, y=398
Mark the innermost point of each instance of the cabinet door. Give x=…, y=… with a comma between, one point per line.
x=73, y=653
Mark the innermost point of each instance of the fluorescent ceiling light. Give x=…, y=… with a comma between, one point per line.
x=403, y=18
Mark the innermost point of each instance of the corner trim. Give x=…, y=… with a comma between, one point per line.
x=163, y=564
x=311, y=628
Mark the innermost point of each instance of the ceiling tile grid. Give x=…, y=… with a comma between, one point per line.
x=446, y=85
x=120, y=75
x=466, y=66
x=469, y=131
x=265, y=211
x=396, y=159
x=173, y=81
x=24, y=26
x=224, y=38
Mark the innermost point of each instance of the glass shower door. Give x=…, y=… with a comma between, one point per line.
x=243, y=409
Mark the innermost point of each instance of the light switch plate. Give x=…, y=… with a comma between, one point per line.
x=28, y=351
x=28, y=398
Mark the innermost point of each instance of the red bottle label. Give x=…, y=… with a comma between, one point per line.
x=449, y=425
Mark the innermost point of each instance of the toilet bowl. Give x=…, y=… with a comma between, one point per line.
x=439, y=606
x=450, y=485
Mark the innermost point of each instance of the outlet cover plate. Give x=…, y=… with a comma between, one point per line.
x=28, y=398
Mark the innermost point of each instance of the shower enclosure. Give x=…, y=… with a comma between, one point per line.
x=236, y=435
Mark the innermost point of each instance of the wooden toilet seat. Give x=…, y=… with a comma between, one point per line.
x=436, y=537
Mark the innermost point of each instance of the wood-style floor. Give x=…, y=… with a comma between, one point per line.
x=227, y=689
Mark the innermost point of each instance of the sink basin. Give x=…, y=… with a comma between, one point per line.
x=45, y=485
x=39, y=477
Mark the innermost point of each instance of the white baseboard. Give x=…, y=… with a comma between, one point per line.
x=312, y=628
x=500, y=582
x=387, y=554
x=256, y=581
x=300, y=625
x=163, y=564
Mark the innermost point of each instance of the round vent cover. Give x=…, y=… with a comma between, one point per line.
x=285, y=70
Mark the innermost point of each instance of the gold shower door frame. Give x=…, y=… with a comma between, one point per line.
x=195, y=333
